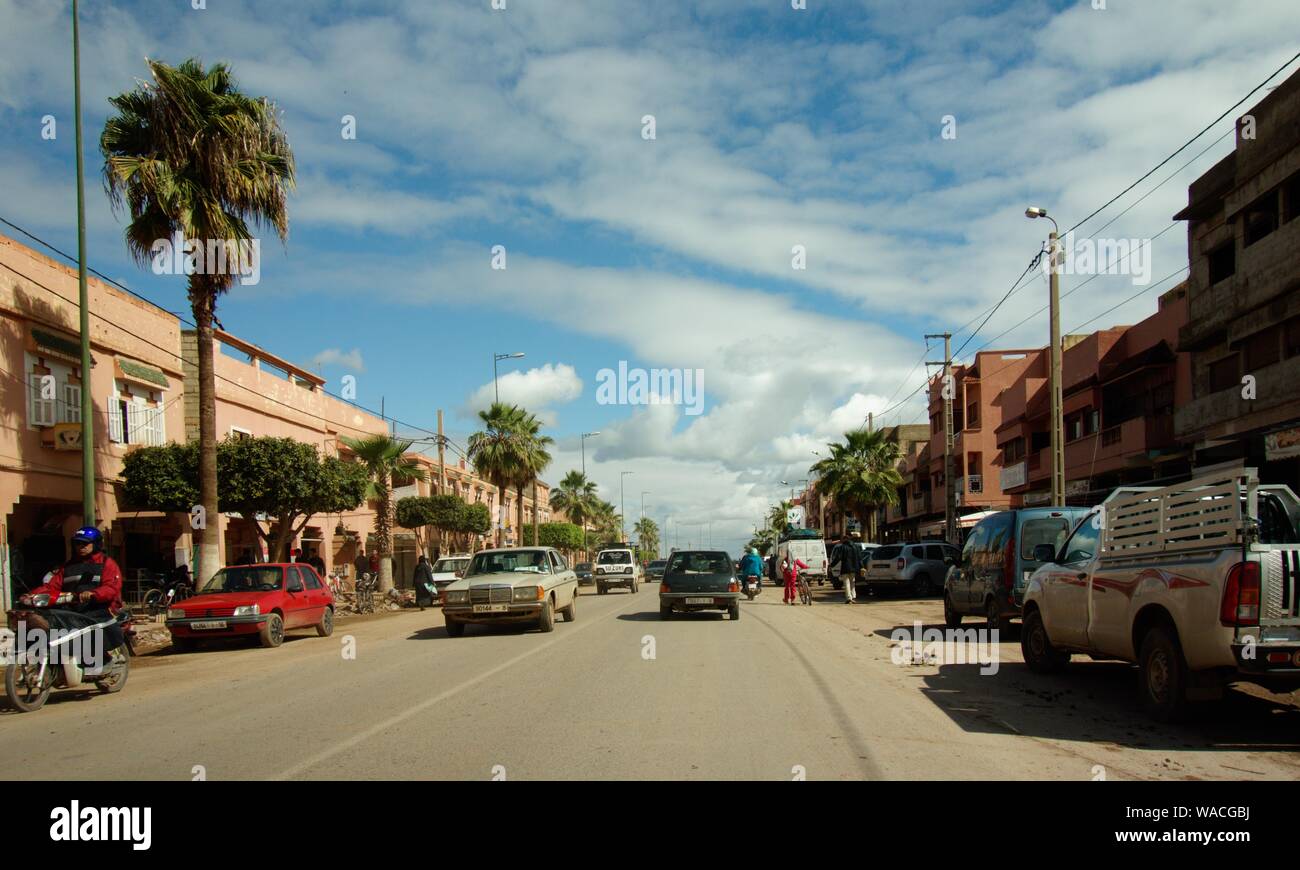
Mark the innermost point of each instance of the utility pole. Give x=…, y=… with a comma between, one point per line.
x=1057, y=423
x=949, y=479
x=87, y=392
x=442, y=461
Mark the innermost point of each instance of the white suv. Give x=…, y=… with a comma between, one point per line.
x=615, y=567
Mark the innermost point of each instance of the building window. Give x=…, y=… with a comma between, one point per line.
x=1261, y=218
x=236, y=432
x=1291, y=338
x=1223, y=374
x=135, y=416
x=1223, y=262
x=1291, y=198
x=973, y=416
x=52, y=398
x=1262, y=348
x=1013, y=452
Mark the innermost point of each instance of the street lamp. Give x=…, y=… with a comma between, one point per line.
x=496, y=358
x=87, y=409
x=622, y=507
x=1057, y=424
x=583, y=445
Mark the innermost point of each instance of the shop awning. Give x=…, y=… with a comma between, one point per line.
x=56, y=344
x=130, y=370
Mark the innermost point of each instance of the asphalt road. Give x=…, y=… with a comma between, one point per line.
x=785, y=692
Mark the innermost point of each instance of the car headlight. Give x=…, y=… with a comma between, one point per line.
x=528, y=593
x=457, y=596
x=248, y=610
x=175, y=613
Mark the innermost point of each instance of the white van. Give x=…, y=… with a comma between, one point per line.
x=811, y=551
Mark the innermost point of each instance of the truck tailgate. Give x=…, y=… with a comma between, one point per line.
x=1279, y=586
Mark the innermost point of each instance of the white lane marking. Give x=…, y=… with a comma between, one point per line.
x=437, y=699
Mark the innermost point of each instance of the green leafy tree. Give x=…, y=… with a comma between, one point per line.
x=561, y=536
x=475, y=520
x=861, y=474
x=384, y=459
x=442, y=513
x=576, y=497
x=187, y=153
x=647, y=537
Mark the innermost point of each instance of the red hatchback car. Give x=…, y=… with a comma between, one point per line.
x=265, y=599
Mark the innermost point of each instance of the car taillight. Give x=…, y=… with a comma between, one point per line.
x=663, y=587
x=1241, y=595
x=733, y=587
x=1009, y=569
x=900, y=563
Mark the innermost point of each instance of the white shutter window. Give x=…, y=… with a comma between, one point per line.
x=135, y=422
x=71, y=403
x=115, y=421
x=43, y=410
x=156, y=434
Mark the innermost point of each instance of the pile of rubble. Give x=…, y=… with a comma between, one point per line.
x=345, y=603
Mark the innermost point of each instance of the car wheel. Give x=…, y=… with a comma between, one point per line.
x=455, y=628
x=325, y=627
x=570, y=613
x=921, y=585
x=993, y=616
x=1036, y=646
x=735, y=611
x=951, y=617
x=1162, y=671
x=546, y=619
x=665, y=612
x=272, y=633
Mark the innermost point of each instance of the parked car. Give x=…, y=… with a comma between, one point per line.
x=1195, y=583
x=449, y=569
x=919, y=567
x=811, y=550
x=583, y=570
x=265, y=600
x=696, y=580
x=655, y=570
x=998, y=558
x=512, y=585
x=616, y=567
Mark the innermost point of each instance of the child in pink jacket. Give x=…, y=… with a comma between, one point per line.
x=791, y=575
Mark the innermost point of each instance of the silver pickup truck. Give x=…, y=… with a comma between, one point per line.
x=1195, y=583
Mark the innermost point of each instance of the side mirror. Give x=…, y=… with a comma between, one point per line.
x=1044, y=553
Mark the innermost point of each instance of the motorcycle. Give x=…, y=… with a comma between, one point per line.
x=752, y=587
x=54, y=662
x=158, y=599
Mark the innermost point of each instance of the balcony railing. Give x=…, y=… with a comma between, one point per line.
x=976, y=483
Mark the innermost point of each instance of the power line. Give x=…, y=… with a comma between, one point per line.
x=1207, y=129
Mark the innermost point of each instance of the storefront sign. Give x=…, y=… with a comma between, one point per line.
x=1035, y=498
x=1012, y=477
x=1282, y=445
x=67, y=436
x=795, y=517
x=1078, y=487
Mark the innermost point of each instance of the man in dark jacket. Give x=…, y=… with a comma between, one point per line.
x=849, y=560
x=423, y=581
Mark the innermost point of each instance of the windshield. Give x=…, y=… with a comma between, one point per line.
x=1048, y=530
x=615, y=557
x=582, y=566
x=449, y=566
x=659, y=563
x=700, y=563
x=509, y=561
x=245, y=579
x=883, y=553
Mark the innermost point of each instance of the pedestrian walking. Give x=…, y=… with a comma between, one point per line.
x=423, y=582
x=790, y=573
x=361, y=567
x=849, y=559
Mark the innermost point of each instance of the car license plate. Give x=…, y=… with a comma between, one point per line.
x=491, y=608
x=215, y=623
x=699, y=600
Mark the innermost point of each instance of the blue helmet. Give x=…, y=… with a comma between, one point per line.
x=89, y=535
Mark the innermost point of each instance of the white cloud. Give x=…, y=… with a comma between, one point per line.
x=335, y=357
x=537, y=389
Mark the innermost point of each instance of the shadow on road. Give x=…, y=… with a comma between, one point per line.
x=653, y=616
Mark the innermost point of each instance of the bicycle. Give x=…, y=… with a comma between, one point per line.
x=805, y=591
x=365, y=589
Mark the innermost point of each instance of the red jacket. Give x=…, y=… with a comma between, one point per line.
x=791, y=574
x=108, y=592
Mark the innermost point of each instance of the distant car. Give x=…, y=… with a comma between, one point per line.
x=448, y=569
x=245, y=600
x=697, y=580
x=655, y=570
x=583, y=570
x=616, y=567
x=920, y=568
x=512, y=585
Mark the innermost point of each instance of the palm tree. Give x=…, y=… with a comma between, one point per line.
x=500, y=452
x=533, y=460
x=861, y=474
x=778, y=518
x=385, y=460
x=647, y=536
x=607, y=523
x=189, y=154
x=576, y=496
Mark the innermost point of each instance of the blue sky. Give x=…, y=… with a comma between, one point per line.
x=774, y=128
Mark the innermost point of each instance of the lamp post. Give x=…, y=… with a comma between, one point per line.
x=1057, y=422
x=583, y=445
x=622, y=507
x=87, y=394
x=496, y=358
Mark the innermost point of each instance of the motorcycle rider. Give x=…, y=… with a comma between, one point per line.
x=94, y=580
x=751, y=565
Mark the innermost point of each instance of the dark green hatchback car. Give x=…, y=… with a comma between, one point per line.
x=699, y=580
